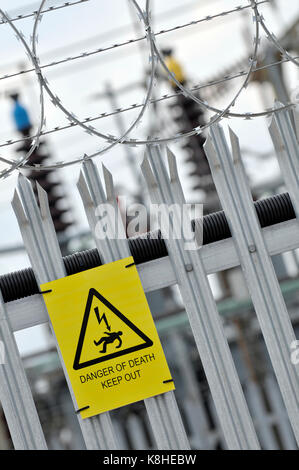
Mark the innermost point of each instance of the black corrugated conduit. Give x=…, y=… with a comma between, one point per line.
x=148, y=246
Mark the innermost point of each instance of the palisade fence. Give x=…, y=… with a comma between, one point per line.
x=250, y=246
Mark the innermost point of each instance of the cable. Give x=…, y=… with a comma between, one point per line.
x=218, y=112
x=154, y=57
x=56, y=100
x=33, y=13
x=114, y=31
x=35, y=141
x=85, y=54
x=157, y=100
x=144, y=17
x=155, y=54
x=277, y=44
x=149, y=246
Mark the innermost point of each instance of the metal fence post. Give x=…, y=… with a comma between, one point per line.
x=286, y=433
x=136, y=432
x=235, y=196
x=201, y=310
x=193, y=402
x=15, y=394
x=286, y=144
x=43, y=249
x=260, y=416
x=162, y=411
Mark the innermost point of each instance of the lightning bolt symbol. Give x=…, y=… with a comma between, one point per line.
x=100, y=318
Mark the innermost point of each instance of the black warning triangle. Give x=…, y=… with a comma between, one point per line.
x=80, y=365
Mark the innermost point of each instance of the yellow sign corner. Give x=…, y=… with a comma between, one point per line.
x=107, y=337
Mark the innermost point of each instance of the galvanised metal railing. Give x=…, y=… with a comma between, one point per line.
x=250, y=246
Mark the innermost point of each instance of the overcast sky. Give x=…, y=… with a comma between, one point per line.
x=206, y=51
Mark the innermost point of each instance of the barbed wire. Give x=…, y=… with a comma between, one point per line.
x=21, y=162
x=85, y=54
x=164, y=97
x=151, y=38
x=49, y=9
x=112, y=32
x=35, y=141
x=276, y=43
x=155, y=58
x=91, y=130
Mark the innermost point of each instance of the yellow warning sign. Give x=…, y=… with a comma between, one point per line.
x=107, y=337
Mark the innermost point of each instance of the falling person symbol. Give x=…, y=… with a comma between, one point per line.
x=109, y=339
x=111, y=336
